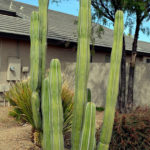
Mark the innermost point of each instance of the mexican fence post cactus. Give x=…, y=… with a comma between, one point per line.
x=48, y=91
x=34, y=51
x=52, y=109
x=38, y=36
x=34, y=69
x=82, y=70
x=87, y=141
x=113, y=83
x=43, y=15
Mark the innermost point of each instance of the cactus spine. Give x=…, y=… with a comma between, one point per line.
x=52, y=109
x=82, y=70
x=113, y=83
x=88, y=131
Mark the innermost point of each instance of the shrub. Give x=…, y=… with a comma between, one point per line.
x=131, y=131
x=19, y=97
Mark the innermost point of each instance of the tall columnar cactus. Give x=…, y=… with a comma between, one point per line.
x=34, y=69
x=82, y=70
x=38, y=36
x=43, y=15
x=48, y=91
x=113, y=83
x=34, y=51
x=87, y=141
x=52, y=109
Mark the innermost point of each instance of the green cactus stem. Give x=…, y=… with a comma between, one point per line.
x=34, y=69
x=34, y=51
x=35, y=110
x=52, y=109
x=38, y=36
x=82, y=70
x=113, y=83
x=43, y=15
x=88, y=131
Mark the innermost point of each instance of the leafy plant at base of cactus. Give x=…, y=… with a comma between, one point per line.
x=113, y=83
x=88, y=131
x=19, y=96
x=52, y=109
x=82, y=70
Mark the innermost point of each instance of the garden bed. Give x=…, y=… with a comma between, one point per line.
x=16, y=136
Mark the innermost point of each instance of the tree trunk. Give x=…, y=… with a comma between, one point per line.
x=122, y=84
x=130, y=93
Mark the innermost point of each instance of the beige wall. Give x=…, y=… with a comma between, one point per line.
x=101, y=57
x=98, y=78
x=21, y=49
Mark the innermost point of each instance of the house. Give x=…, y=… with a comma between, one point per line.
x=62, y=41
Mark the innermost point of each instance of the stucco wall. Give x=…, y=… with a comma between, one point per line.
x=98, y=74
x=98, y=78
x=21, y=49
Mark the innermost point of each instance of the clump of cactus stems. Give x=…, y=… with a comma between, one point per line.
x=38, y=37
x=82, y=73
x=46, y=96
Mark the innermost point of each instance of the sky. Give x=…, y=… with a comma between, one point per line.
x=72, y=7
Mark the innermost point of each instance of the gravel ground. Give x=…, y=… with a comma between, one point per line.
x=14, y=136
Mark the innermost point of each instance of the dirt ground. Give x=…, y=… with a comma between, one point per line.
x=14, y=136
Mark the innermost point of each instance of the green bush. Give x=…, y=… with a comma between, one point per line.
x=19, y=97
x=132, y=131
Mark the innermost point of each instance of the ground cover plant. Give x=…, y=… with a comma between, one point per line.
x=131, y=130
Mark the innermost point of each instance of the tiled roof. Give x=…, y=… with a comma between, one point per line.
x=60, y=26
